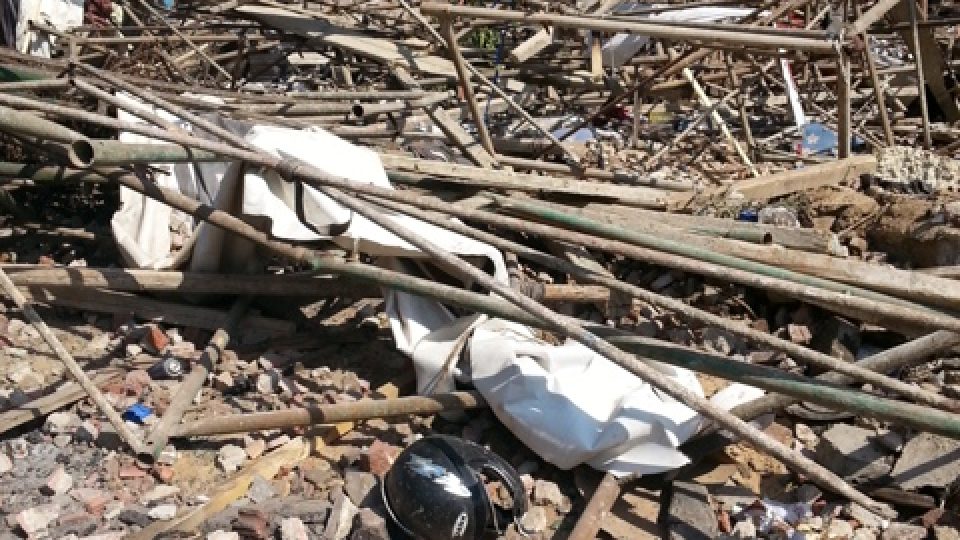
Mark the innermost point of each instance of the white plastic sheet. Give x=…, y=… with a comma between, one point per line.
x=565, y=402
x=59, y=14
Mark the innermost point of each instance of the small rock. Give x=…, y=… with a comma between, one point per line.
x=129, y=516
x=159, y=493
x=59, y=481
x=838, y=529
x=721, y=341
x=155, y=341
x=806, y=435
x=359, y=485
x=251, y=523
x=133, y=350
x=61, y=422
x=380, y=457
x=254, y=447
x=292, y=528
x=689, y=514
x=6, y=464
x=744, y=530
x=223, y=381
x=368, y=525
x=278, y=441
x=546, y=492
x=260, y=490
x=88, y=431
x=535, y=520
x=904, y=531
x=799, y=334
x=37, y=518
x=230, y=457
x=268, y=383
x=928, y=460
x=93, y=500
x=341, y=517
x=163, y=512
x=851, y=452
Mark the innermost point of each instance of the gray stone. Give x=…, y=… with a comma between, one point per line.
x=535, y=520
x=369, y=525
x=309, y=510
x=341, y=517
x=744, y=530
x=928, y=460
x=904, y=531
x=163, y=511
x=838, y=529
x=230, y=457
x=260, y=490
x=853, y=453
x=61, y=422
x=129, y=516
x=546, y=492
x=689, y=515
x=292, y=528
x=359, y=486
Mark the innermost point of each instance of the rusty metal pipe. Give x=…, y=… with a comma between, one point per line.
x=331, y=414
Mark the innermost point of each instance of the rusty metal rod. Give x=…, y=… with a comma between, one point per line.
x=601, y=502
x=331, y=414
x=193, y=382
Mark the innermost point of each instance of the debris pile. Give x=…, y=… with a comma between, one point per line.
x=574, y=269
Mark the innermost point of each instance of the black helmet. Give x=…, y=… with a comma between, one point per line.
x=434, y=490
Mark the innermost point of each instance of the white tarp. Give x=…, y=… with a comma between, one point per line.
x=59, y=14
x=568, y=404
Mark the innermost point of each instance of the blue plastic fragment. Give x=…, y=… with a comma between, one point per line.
x=138, y=412
x=748, y=214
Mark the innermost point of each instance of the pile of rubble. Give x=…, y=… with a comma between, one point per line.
x=573, y=269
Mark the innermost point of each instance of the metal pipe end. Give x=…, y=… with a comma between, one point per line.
x=357, y=110
x=81, y=153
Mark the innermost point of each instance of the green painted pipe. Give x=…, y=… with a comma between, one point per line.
x=76, y=147
x=110, y=152
x=804, y=388
x=582, y=224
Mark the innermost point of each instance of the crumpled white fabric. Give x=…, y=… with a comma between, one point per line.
x=565, y=402
x=60, y=14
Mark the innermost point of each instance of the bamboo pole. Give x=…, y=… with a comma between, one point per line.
x=77, y=147
x=717, y=119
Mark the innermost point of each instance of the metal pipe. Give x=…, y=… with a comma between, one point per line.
x=601, y=502
x=79, y=152
x=530, y=208
x=805, y=388
x=909, y=354
x=110, y=152
x=331, y=414
x=738, y=36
